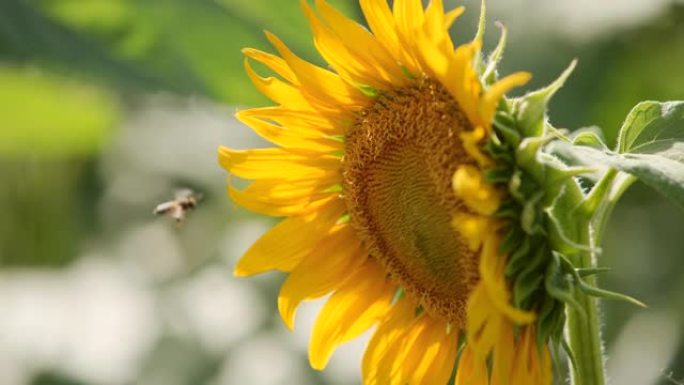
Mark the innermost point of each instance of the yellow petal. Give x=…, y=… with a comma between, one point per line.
x=546, y=374
x=289, y=138
x=279, y=91
x=325, y=269
x=273, y=62
x=295, y=191
x=493, y=95
x=354, y=308
x=381, y=21
x=471, y=370
x=409, y=16
x=469, y=185
x=530, y=366
x=486, y=339
x=409, y=351
x=327, y=86
x=363, y=45
x=286, y=244
x=483, y=322
x=503, y=357
x=492, y=277
x=436, y=355
x=455, y=71
x=303, y=122
x=383, y=346
x=474, y=228
x=471, y=87
x=472, y=143
x=338, y=56
x=277, y=164
x=266, y=205
x=452, y=15
x=436, y=25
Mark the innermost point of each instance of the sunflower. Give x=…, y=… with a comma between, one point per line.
x=382, y=171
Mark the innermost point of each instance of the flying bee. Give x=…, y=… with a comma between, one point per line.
x=184, y=201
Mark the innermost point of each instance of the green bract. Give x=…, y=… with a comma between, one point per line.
x=562, y=189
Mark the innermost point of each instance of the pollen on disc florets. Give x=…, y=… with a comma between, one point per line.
x=400, y=156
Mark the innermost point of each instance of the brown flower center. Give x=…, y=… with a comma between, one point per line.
x=400, y=157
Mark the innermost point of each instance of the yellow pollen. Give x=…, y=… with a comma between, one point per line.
x=400, y=158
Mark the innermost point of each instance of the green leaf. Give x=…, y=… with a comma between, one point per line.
x=653, y=127
x=664, y=170
x=650, y=147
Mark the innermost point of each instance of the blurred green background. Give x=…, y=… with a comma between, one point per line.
x=107, y=106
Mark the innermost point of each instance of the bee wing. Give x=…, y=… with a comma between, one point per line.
x=184, y=193
x=164, y=208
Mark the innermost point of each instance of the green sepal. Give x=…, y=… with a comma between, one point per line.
x=498, y=151
x=498, y=175
x=531, y=219
x=336, y=188
x=516, y=261
x=590, y=137
x=489, y=75
x=337, y=138
x=407, y=72
x=558, y=174
x=544, y=319
x=601, y=293
x=482, y=22
x=344, y=219
x=564, y=224
x=531, y=108
x=570, y=353
x=369, y=91
x=522, y=187
x=593, y=290
x=398, y=295
x=597, y=195
x=504, y=126
x=529, y=279
x=560, y=285
x=589, y=271
x=513, y=238
x=527, y=155
x=551, y=320
x=509, y=209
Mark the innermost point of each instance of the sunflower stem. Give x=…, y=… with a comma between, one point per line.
x=584, y=331
x=583, y=327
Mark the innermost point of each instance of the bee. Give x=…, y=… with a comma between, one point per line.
x=184, y=201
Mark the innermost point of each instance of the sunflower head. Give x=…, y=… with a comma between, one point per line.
x=412, y=191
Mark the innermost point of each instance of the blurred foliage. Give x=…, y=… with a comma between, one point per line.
x=641, y=64
x=54, y=379
x=47, y=209
x=51, y=116
x=189, y=47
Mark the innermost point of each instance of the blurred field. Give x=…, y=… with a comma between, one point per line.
x=107, y=106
